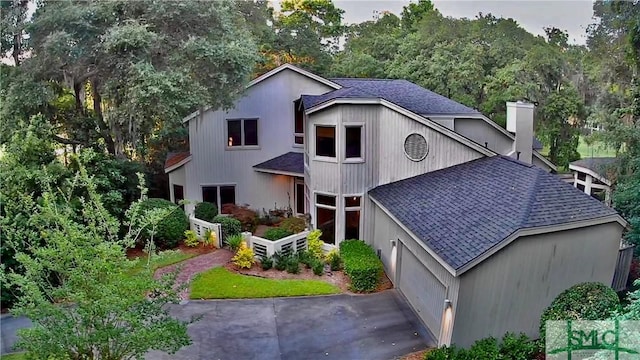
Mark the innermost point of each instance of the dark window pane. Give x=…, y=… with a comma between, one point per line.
x=327, y=224
x=582, y=176
x=580, y=187
x=352, y=201
x=325, y=141
x=210, y=194
x=251, y=132
x=227, y=195
x=300, y=198
x=326, y=200
x=234, y=130
x=352, y=225
x=178, y=192
x=599, y=194
x=299, y=117
x=353, y=148
x=299, y=140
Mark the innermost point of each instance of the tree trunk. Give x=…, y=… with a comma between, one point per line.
x=102, y=125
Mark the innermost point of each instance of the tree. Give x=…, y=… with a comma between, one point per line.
x=13, y=15
x=77, y=287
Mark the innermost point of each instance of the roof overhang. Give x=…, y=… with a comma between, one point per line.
x=421, y=119
x=585, y=170
x=177, y=165
x=267, y=75
x=278, y=172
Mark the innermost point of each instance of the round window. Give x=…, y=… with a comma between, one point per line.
x=416, y=147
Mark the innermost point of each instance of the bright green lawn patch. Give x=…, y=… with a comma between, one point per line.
x=162, y=259
x=220, y=283
x=16, y=356
x=596, y=149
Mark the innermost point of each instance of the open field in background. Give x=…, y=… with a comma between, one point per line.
x=596, y=149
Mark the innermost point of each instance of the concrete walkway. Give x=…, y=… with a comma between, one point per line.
x=9, y=326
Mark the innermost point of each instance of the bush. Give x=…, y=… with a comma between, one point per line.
x=210, y=238
x=244, y=258
x=585, y=301
x=294, y=224
x=318, y=267
x=276, y=233
x=266, y=262
x=512, y=347
x=170, y=229
x=334, y=260
x=361, y=264
x=235, y=241
x=306, y=258
x=205, y=211
x=280, y=261
x=634, y=272
x=248, y=218
x=230, y=226
x=314, y=244
x=293, y=266
x=191, y=240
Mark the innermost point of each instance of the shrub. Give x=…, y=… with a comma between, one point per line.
x=266, y=262
x=294, y=224
x=276, y=233
x=191, y=239
x=317, y=267
x=314, y=244
x=235, y=241
x=244, y=258
x=169, y=230
x=293, y=266
x=210, y=238
x=361, y=264
x=306, y=258
x=634, y=272
x=585, y=301
x=512, y=347
x=248, y=218
x=205, y=211
x=518, y=347
x=334, y=260
x=230, y=226
x=280, y=261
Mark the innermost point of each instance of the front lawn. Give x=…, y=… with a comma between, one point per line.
x=220, y=283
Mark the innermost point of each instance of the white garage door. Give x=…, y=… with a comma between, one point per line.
x=423, y=291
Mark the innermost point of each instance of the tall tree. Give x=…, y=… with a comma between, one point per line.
x=13, y=16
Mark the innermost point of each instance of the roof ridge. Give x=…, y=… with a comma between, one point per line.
x=531, y=199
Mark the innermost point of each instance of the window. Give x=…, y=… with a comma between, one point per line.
x=219, y=195
x=353, y=142
x=326, y=217
x=326, y=141
x=582, y=176
x=242, y=132
x=178, y=194
x=299, y=196
x=352, y=217
x=298, y=126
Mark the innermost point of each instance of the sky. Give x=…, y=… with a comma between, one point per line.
x=571, y=15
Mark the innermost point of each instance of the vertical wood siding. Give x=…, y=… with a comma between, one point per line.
x=177, y=177
x=509, y=291
x=271, y=101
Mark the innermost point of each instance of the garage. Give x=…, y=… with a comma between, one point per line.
x=422, y=289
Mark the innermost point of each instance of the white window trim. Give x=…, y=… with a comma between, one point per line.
x=242, y=147
x=354, y=208
x=296, y=182
x=328, y=207
x=356, y=160
x=218, y=198
x=296, y=134
x=335, y=144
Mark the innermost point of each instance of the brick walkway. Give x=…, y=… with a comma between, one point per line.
x=191, y=267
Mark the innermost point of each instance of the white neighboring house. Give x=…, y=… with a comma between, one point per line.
x=591, y=175
x=470, y=225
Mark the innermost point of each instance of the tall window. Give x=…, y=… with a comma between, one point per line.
x=352, y=217
x=242, y=132
x=326, y=217
x=326, y=141
x=298, y=122
x=353, y=142
x=219, y=195
x=178, y=194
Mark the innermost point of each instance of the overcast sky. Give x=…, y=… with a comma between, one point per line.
x=533, y=15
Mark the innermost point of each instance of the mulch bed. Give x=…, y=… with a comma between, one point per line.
x=138, y=251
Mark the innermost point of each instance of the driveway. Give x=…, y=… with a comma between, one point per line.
x=375, y=326
x=9, y=325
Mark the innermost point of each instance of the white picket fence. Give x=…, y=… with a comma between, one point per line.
x=201, y=226
x=265, y=247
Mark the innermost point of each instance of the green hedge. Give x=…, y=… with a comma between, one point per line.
x=170, y=230
x=361, y=264
x=230, y=226
x=512, y=347
x=276, y=233
x=205, y=211
x=585, y=301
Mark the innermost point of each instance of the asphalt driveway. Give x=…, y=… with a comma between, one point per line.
x=375, y=326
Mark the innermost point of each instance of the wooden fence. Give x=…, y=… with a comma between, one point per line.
x=265, y=247
x=620, y=277
x=201, y=226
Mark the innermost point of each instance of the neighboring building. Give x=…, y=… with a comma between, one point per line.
x=471, y=227
x=593, y=176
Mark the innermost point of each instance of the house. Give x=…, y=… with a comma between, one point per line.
x=592, y=175
x=471, y=224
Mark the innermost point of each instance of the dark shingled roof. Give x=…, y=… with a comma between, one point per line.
x=599, y=165
x=292, y=162
x=463, y=211
x=175, y=157
x=400, y=92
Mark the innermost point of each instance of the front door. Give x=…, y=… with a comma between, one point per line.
x=299, y=196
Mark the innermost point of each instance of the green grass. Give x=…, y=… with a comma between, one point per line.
x=164, y=258
x=16, y=356
x=220, y=283
x=596, y=149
